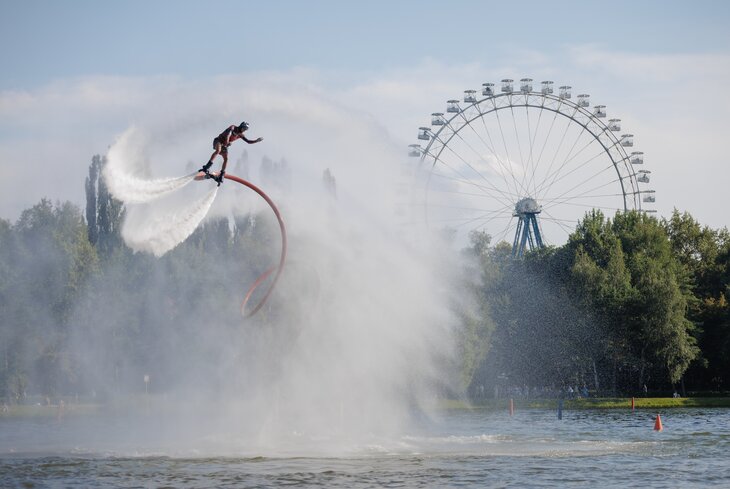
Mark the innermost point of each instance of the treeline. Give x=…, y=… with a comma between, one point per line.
x=81, y=314
x=628, y=301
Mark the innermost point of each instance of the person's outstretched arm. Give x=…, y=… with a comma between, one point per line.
x=251, y=141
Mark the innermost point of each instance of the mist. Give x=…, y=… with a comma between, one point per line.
x=357, y=339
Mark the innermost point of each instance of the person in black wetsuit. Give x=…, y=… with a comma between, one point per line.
x=220, y=147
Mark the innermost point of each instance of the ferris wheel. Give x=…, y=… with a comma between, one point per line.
x=524, y=165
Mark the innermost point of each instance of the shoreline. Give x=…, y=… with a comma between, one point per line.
x=592, y=403
x=613, y=403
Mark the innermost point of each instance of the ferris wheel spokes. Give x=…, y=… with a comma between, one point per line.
x=464, y=177
x=517, y=170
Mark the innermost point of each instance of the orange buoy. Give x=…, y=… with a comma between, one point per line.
x=658, y=423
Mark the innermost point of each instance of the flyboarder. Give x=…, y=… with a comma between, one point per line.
x=220, y=147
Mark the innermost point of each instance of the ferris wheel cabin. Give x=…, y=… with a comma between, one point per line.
x=452, y=106
x=488, y=89
x=526, y=85
x=547, y=87
x=614, y=125
x=507, y=85
x=636, y=158
x=565, y=91
x=437, y=119
x=470, y=96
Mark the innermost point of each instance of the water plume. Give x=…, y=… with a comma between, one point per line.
x=357, y=338
x=131, y=190
x=122, y=179
x=162, y=221
x=158, y=233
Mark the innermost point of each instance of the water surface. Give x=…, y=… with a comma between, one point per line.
x=459, y=448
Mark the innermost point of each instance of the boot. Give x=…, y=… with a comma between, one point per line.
x=219, y=178
x=205, y=168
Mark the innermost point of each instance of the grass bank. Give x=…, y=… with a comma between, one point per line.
x=649, y=402
x=49, y=411
x=593, y=403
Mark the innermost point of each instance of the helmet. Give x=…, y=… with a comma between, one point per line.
x=243, y=126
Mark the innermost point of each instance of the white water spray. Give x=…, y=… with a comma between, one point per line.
x=356, y=350
x=122, y=180
x=133, y=190
x=154, y=227
x=159, y=233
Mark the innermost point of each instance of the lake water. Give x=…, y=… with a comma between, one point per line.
x=459, y=448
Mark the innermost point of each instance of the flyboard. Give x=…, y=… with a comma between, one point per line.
x=276, y=269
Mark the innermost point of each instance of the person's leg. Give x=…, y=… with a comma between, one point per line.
x=221, y=174
x=225, y=160
x=217, y=146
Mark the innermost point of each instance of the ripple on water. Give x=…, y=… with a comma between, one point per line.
x=472, y=449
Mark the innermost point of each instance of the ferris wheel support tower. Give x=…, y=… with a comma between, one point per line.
x=528, y=230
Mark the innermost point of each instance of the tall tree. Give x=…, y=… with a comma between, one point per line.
x=109, y=214
x=92, y=181
x=661, y=328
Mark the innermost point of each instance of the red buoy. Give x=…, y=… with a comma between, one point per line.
x=658, y=423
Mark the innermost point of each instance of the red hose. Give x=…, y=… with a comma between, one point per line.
x=282, y=258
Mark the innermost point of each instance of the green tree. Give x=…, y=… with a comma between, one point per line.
x=601, y=285
x=697, y=248
x=626, y=272
x=104, y=213
x=661, y=330
x=91, y=184
x=703, y=253
x=56, y=260
x=7, y=295
x=474, y=311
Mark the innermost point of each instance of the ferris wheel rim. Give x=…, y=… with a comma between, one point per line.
x=590, y=122
x=604, y=130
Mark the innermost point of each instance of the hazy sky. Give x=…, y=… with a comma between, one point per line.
x=74, y=75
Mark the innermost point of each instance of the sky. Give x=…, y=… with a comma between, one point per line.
x=75, y=75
